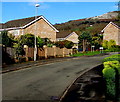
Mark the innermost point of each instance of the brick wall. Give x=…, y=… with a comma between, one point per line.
x=112, y=32
x=43, y=30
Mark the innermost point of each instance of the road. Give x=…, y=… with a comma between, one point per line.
x=44, y=81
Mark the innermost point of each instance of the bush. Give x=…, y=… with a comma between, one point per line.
x=112, y=58
x=65, y=43
x=105, y=44
x=68, y=44
x=60, y=44
x=40, y=42
x=111, y=73
x=111, y=43
x=114, y=48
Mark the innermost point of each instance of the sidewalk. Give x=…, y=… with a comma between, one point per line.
x=28, y=64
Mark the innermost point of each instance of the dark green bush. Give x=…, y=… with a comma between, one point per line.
x=65, y=43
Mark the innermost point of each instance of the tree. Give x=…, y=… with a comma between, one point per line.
x=97, y=41
x=5, y=39
x=40, y=42
x=27, y=39
x=85, y=37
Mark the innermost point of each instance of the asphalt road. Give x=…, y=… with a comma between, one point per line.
x=44, y=81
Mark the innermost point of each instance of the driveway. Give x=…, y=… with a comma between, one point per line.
x=44, y=81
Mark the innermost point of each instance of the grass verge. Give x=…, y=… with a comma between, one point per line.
x=88, y=53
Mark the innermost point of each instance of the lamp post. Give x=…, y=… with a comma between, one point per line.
x=35, y=49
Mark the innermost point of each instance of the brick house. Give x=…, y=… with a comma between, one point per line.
x=19, y=27
x=70, y=37
x=111, y=31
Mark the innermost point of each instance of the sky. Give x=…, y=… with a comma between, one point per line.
x=56, y=12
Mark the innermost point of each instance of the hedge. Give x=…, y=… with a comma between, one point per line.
x=112, y=58
x=111, y=74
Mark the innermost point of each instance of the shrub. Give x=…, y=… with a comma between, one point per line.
x=114, y=48
x=111, y=43
x=60, y=44
x=65, y=43
x=111, y=73
x=112, y=58
x=105, y=44
x=40, y=42
x=27, y=39
x=68, y=44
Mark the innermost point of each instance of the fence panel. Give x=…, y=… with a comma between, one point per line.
x=30, y=52
x=59, y=51
x=41, y=52
x=50, y=51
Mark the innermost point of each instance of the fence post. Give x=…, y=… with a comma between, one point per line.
x=54, y=50
x=45, y=48
x=26, y=52
x=71, y=51
x=63, y=52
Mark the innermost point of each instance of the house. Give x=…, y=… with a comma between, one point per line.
x=70, y=37
x=41, y=26
x=111, y=31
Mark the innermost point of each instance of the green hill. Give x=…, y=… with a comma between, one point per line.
x=94, y=24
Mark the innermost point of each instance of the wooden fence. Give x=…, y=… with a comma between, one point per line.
x=47, y=52
x=44, y=52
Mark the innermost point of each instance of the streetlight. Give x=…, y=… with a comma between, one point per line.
x=35, y=49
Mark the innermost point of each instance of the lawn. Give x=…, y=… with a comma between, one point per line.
x=88, y=53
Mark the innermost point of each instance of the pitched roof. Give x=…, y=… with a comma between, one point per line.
x=23, y=23
x=112, y=24
x=18, y=22
x=64, y=35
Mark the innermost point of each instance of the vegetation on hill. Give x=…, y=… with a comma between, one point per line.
x=94, y=26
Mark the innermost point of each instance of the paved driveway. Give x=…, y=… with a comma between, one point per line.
x=44, y=81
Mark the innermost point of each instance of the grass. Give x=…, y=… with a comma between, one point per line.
x=88, y=53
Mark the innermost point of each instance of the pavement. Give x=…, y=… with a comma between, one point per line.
x=45, y=82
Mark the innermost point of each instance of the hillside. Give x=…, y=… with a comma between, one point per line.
x=94, y=24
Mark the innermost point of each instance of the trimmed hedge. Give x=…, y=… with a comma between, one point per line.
x=111, y=73
x=112, y=58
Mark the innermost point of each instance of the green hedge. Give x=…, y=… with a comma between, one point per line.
x=111, y=73
x=112, y=58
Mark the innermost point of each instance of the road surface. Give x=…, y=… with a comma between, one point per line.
x=44, y=81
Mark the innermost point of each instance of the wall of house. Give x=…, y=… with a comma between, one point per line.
x=15, y=33
x=43, y=30
x=112, y=32
x=73, y=38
